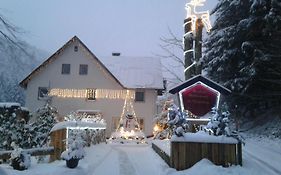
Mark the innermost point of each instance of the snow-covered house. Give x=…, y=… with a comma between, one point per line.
x=79, y=81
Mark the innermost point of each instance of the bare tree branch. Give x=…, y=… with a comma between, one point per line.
x=10, y=32
x=172, y=73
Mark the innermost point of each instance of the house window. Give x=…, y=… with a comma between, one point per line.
x=75, y=48
x=65, y=69
x=91, y=94
x=83, y=69
x=139, y=96
x=42, y=93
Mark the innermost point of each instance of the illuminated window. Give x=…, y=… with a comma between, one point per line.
x=83, y=69
x=42, y=93
x=65, y=69
x=91, y=94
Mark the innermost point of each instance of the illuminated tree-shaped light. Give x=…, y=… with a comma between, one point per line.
x=128, y=129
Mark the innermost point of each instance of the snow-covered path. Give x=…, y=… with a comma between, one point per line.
x=126, y=160
x=259, y=158
x=263, y=158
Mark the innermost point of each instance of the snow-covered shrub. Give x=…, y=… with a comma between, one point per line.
x=44, y=120
x=75, y=146
x=177, y=120
x=13, y=125
x=19, y=159
x=170, y=121
x=219, y=123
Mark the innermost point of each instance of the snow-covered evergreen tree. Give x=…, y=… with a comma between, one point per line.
x=14, y=128
x=219, y=123
x=243, y=51
x=45, y=119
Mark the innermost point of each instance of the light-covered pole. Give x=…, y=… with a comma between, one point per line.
x=192, y=40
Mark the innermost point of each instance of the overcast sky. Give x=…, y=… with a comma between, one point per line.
x=132, y=27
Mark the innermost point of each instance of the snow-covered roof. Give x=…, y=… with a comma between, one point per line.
x=9, y=105
x=129, y=72
x=78, y=124
x=204, y=137
x=201, y=79
x=135, y=72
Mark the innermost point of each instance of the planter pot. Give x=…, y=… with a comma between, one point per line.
x=72, y=163
x=16, y=164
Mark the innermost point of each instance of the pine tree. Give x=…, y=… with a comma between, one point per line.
x=14, y=128
x=243, y=51
x=45, y=120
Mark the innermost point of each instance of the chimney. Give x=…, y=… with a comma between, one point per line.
x=116, y=54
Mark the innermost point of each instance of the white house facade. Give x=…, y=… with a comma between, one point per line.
x=75, y=68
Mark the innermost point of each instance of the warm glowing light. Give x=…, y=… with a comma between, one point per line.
x=99, y=93
x=194, y=15
x=156, y=128
x=190, y=66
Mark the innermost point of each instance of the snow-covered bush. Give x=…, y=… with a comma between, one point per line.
x=13, y=125
x=75, y=146
x=219, y=123
x=177, y=120
x=19, y=159
x=170, y=121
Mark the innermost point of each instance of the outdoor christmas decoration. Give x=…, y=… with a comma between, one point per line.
x=128, y=130
x=193, y=26
x=96, y=93
x=170, y=121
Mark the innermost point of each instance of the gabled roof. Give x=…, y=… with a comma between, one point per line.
x=129, y=72
x=200, y=78
x=25, y=81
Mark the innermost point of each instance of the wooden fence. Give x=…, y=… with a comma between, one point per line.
x=185, y=154
x=58, y=138
x=161, y=153
x=5, y=155
x=58, y=141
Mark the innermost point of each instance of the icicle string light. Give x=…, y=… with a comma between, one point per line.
x=128, y=108
x=99, y=93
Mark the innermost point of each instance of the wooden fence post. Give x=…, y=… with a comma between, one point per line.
x=58, y=142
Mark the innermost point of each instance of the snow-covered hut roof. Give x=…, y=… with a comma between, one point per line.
x=129, y=72
x=136, y=72
x=200, y=78
x=9, y=105
x=78, y=124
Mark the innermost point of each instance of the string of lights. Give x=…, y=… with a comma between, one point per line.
x=99, y=93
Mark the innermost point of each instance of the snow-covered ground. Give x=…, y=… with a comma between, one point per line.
x=261, y=156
